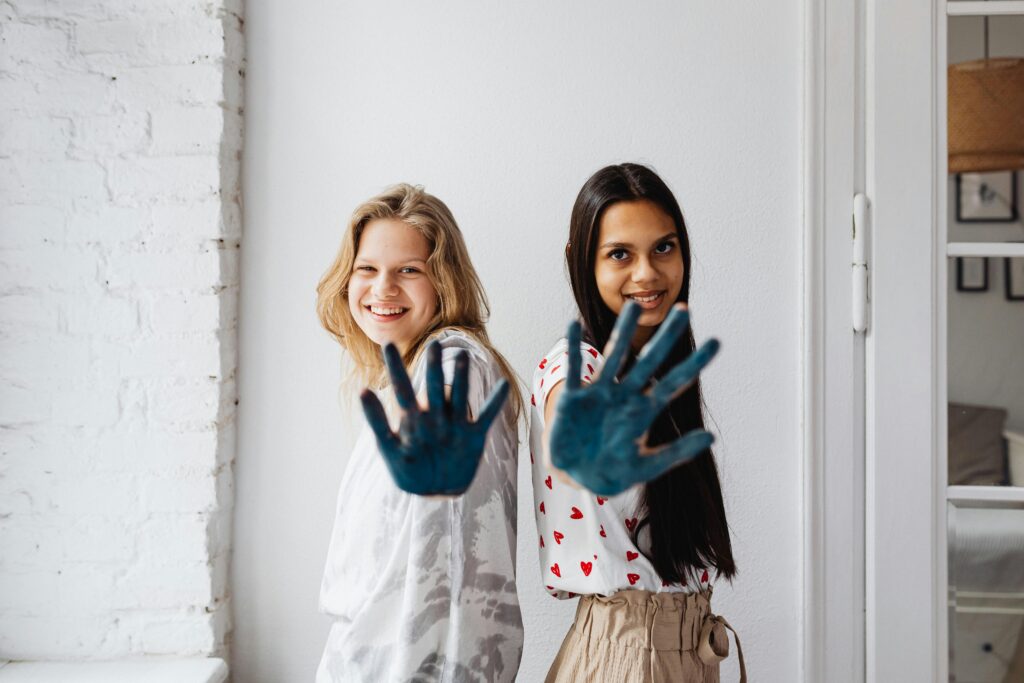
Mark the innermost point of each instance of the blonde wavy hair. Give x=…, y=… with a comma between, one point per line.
x=462, y=304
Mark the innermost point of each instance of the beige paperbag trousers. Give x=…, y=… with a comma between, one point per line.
x=638, y=636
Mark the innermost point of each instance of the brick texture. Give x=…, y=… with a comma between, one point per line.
x=120, y=229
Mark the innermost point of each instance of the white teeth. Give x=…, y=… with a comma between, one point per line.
x=645, y=299
x=380, y=310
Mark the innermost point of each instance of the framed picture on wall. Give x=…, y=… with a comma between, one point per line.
x=972, y=274
x=987, y=197
x=1014, y=271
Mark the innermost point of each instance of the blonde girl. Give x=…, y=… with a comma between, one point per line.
x=420, y=588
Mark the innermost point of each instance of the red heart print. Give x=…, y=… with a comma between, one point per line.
x=586, y=567
x=631, y=524
x=541, y=541
x=633, y=578
x=595, y=557
x=590, y=368
x=533, y=401
x=558, y=537
x=630, y=555
x=704, y=577
x=603, y=534
x=541, y=382
x=571, y=594
x=556, y=571
x=592, y=352
x=600, y=500
x=542, y=509
x=555, y=369
x=586, y=378
x=550, y=588
x=543, y=363
x=547, y=482
x=576, y=514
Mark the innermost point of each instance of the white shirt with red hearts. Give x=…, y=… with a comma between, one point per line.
x=586, y=544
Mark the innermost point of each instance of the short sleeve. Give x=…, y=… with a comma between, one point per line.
x=553, y=369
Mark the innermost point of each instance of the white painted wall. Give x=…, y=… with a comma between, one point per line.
x=503, y=111
x=120, y=131
x=986, y=331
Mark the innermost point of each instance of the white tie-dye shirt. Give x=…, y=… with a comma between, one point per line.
x=424, y=589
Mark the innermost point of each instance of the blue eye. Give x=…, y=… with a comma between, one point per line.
x=409, y=269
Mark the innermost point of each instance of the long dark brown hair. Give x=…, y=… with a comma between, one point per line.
x=683, y=508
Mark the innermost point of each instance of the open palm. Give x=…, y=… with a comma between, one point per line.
x=437, y=449
x=600, y=430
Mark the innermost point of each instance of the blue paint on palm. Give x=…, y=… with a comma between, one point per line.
x=437, y=449
x=599, y=432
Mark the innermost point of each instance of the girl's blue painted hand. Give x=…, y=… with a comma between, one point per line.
x=599, y=432
x=437, y=449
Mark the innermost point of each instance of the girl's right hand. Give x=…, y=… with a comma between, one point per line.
x=599, y=433
x=437, y=447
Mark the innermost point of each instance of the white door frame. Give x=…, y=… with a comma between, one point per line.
x=905, y=537
x=833, y=409
x=874, y=488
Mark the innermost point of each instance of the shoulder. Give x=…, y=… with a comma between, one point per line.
x=552, y=368
x=560, y=351
x=456, y=338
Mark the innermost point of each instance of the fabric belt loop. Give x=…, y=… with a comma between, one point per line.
x=650, y=616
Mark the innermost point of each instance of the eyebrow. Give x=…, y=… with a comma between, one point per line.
x=624, y=245
x=363, y=259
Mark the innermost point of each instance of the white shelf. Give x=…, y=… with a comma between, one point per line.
x=977, y=8
x=985, y=249
x=193, y=670
x=986, y=496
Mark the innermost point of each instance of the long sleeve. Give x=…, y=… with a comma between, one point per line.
x=423, y=589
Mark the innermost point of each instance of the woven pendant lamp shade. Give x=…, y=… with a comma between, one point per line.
x=986, y=115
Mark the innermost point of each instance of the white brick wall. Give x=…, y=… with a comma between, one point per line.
x=120, y=225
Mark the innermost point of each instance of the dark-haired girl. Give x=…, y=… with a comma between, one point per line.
x=642, y=561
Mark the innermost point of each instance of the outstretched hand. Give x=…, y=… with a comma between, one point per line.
x=437, y=449
x=600, y=430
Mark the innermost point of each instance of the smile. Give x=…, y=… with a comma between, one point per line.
x=647, y=300
x=386, y=313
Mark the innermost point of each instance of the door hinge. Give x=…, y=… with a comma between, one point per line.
x=861, y=289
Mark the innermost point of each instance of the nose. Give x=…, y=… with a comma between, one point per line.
x=644, y=271
x=384, y=285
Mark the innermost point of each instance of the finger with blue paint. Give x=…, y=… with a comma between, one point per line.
x=599, y=430
x=437, y=447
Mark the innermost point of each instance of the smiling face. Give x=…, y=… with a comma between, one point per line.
x=390, y=294
x=639, y=258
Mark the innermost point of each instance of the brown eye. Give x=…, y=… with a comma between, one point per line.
x=618, y=255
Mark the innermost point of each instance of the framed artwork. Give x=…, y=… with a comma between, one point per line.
x=1014, y=272
x=987, y=197
x=972, y=274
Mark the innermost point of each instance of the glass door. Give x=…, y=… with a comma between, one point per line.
x=984, y=339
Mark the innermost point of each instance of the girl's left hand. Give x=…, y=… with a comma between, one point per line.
x=437, y=448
